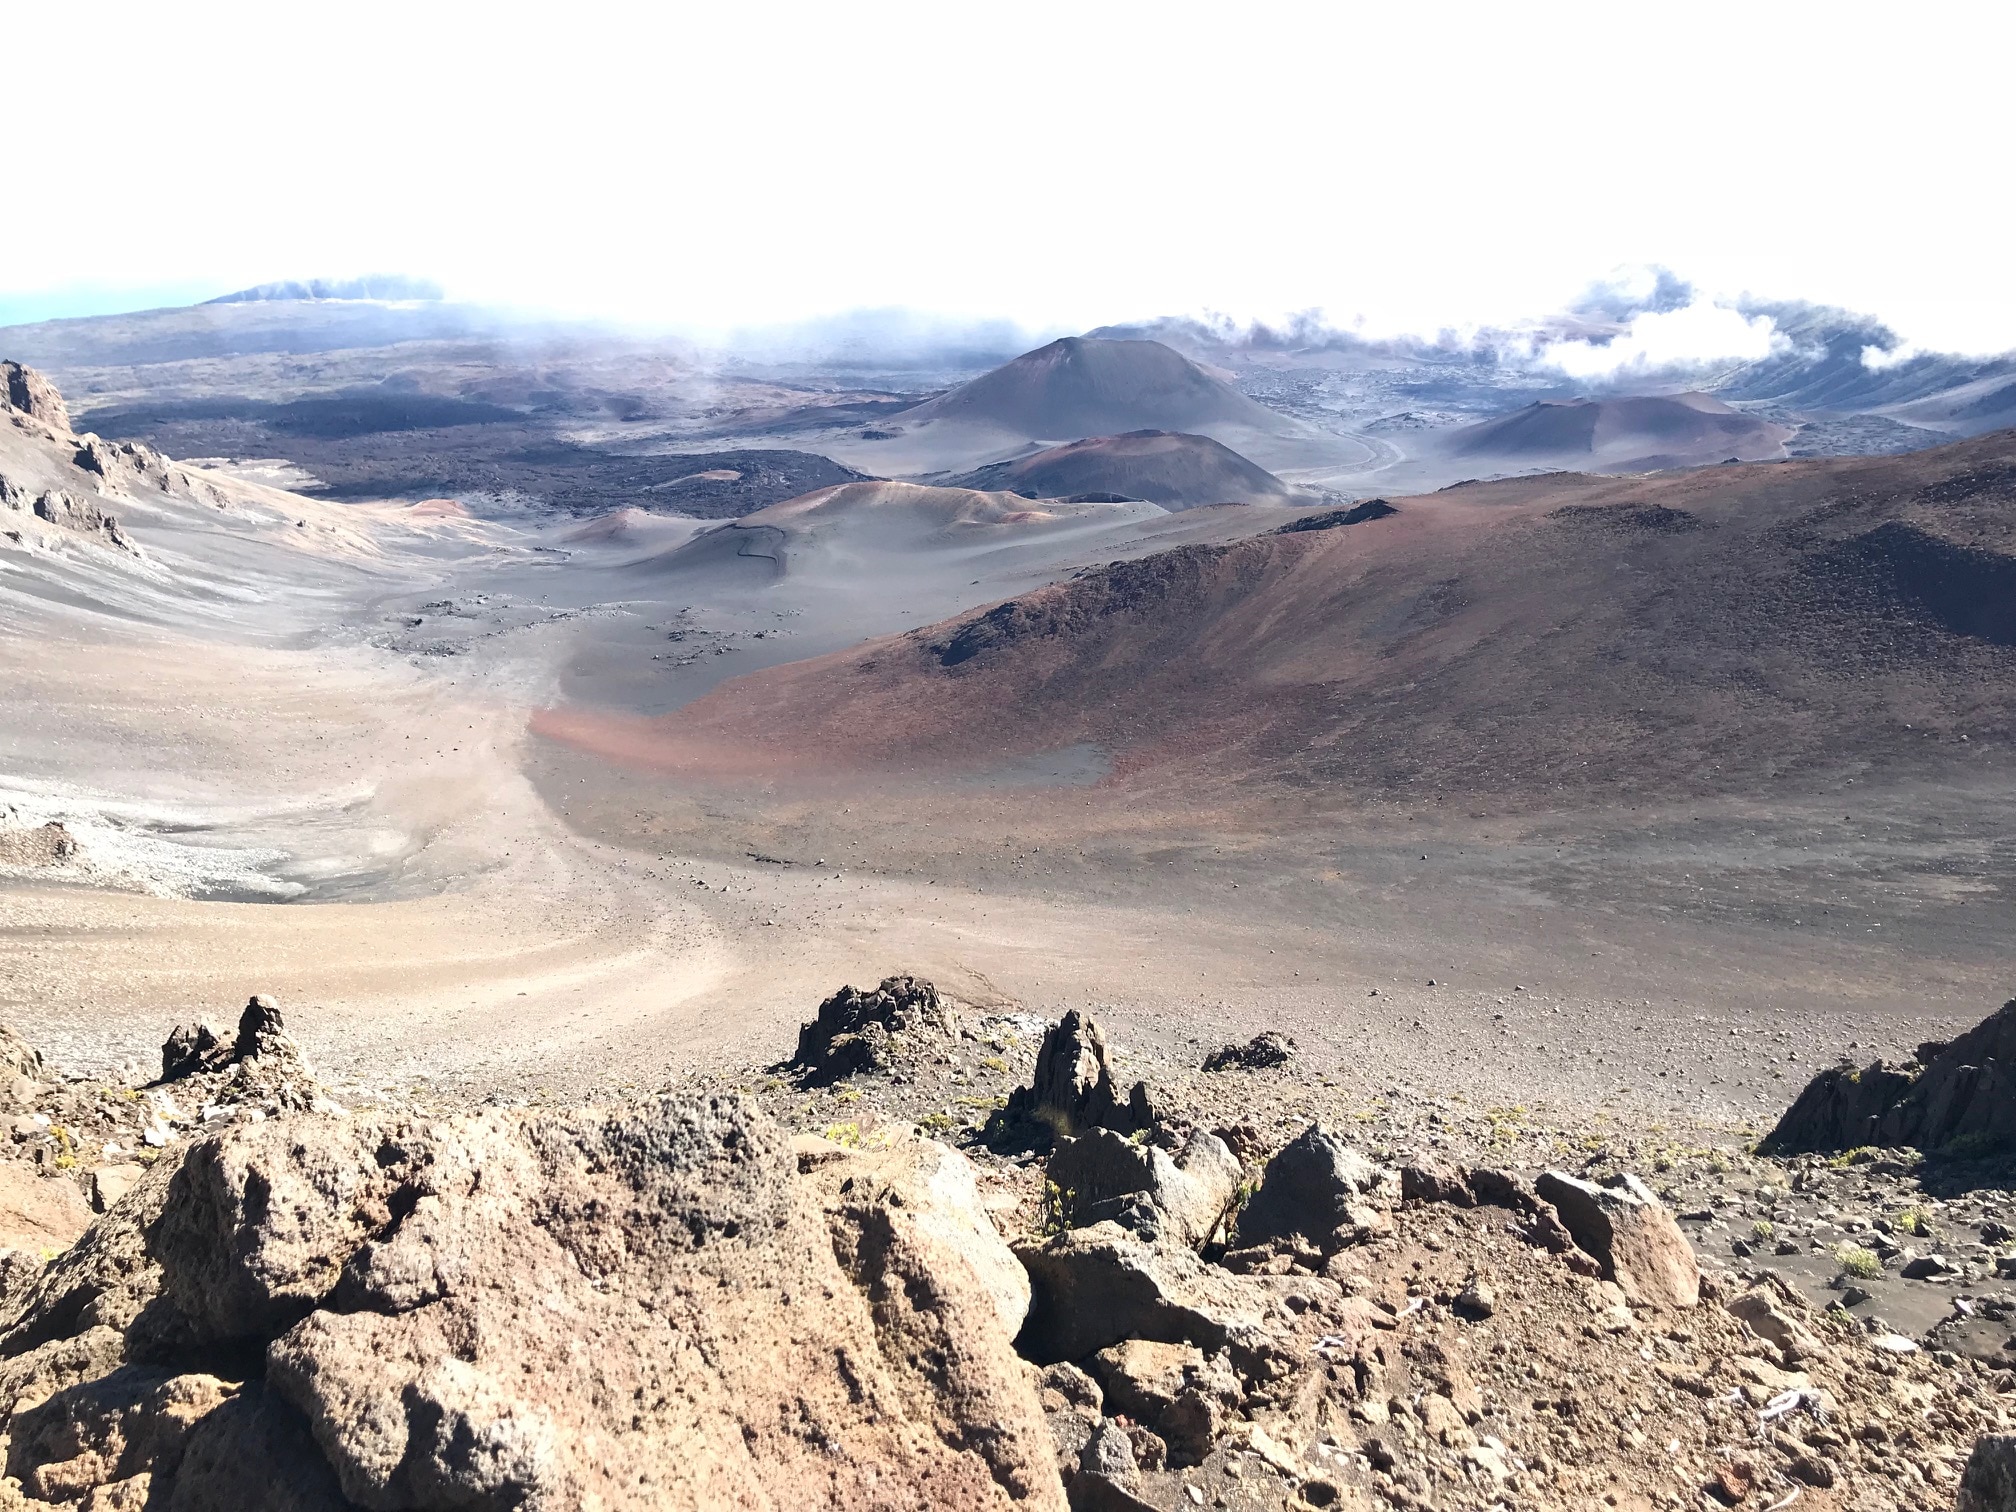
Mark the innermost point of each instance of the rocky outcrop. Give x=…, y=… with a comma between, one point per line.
x=34, y=846
x=262, y=1035
x=1264, y=1050
x=84, y=517
x=1319, y=1188
x=857, y=1031
x=18, y=1058
x=1629, y=1232
x=1102, y=1175
x=642, y=1307
x=1955, y=1099
x=30, y=393
x=1072, y=1089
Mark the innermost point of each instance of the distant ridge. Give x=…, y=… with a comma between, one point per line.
x=1639, y=432
x=387, y=286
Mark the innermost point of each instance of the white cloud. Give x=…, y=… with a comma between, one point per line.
x=1695, y=335
x=1055, y=162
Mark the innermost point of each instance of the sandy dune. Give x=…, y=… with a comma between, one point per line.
x=1164, y=467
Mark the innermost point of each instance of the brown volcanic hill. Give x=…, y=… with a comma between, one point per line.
x=1082, y=386
x=1638, y=434
x=898, y=518
x=1701, y=632
x=1164, y=467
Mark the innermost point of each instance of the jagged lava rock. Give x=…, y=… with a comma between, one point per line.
x=1625, y=1227
x=853, y=1029
x=1072, y=1089
x=1957, y=1099
x=1260, y=1052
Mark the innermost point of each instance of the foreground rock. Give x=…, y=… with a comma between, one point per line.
x=1955, y=1099
x=1073, y=1090
x=628, y=1309
x=857, y=1031
x=934, y=1188
x=1989, y=1483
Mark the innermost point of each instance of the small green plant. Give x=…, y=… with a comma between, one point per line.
x=1139, y=1137
x=1718, y=1164
x=846, y=1135
x=1241, y=1195
x=939, y=1123
x=846, y=1094
x=1857, y=1262
x=1971, y=1146
x=1911, y=1220
x=1763, y=1230
x=1056, y=1214
x=994, y=1063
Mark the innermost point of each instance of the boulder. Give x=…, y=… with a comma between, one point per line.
x=39, y=1214
x=1072, y=1090
x=1264, y=1050
x=1096, y=1286
x=24, y=389
x=1108, y=1473
x=1172, y=1389
x=18, y=1058
x=1766, y=1311
x=189, y=1050
x=854, y=1030
x=262, y=1035
x=1955, y=1099
x=1071, y=1387
x=1988, y=1484
x=1101, y=1175
x=260, y=1065
x=1433, y=1181
x=938, y=1190
x=1315, y=1186
x=111, y=1182
x=639, y=1307
x=1626, y=1229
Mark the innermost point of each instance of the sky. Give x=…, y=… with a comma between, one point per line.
x=1397, y=168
